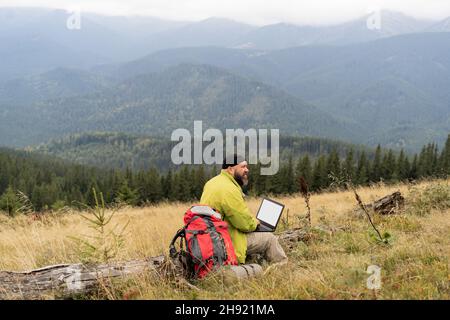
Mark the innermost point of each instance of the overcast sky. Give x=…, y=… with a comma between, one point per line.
x=250, y=11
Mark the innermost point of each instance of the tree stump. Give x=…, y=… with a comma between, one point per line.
x=389, y=204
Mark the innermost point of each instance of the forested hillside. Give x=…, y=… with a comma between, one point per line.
x=396, y=88
x=158, y=103
x=34, y=181
x=121, y=150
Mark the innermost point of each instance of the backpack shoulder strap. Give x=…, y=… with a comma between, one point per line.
x=180, y=233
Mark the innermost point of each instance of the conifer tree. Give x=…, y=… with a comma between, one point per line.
x=388, y=166
x=320, y=175
x=334, y=163
x=154, y=190
x=363, y=169
x=414, y=172
x=349, y=165
x=377, y=170
x=402, y=169
x=303, y=169
x=288, y=178
x=445, y=158
x=125, y=194
x=9, y=202
x=258, y=185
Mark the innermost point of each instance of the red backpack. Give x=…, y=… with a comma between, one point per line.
x=207, y=241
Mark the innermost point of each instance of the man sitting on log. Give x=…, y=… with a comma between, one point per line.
x=224, y=193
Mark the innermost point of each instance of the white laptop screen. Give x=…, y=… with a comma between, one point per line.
x=269, y=212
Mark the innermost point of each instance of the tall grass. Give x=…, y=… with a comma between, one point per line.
x=331, y=266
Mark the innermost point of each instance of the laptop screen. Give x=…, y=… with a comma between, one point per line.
x=270, y=212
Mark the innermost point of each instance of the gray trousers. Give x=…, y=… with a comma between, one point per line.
x=267, y=245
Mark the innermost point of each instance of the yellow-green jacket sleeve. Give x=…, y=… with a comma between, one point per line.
x=237, y=213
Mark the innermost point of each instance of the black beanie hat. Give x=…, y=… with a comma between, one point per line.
x=231, y=160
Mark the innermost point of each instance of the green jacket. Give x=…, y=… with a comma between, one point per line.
x=225, y=195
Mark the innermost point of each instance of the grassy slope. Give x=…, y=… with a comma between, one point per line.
x=332, y=266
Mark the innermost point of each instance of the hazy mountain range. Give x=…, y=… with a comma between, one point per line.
x=158, y=103
x=33, y=40
x=148, y=76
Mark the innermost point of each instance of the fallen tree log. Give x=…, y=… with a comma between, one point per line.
x=68, y=280
x=389, y=204
x=289, y=238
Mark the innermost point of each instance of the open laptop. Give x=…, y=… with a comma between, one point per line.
x=269, y=214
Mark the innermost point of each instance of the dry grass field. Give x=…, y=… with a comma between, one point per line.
x=333, y=265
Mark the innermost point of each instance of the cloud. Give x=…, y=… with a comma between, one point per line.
x=250, y=11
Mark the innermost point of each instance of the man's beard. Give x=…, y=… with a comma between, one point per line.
x=241, y=179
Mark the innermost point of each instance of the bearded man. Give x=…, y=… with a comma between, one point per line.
x=224, y=194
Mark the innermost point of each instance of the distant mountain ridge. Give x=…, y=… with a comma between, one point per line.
x=283, y=35
x=103, y=40
x=56, y=83
x=387, y=84
x=158, y=103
